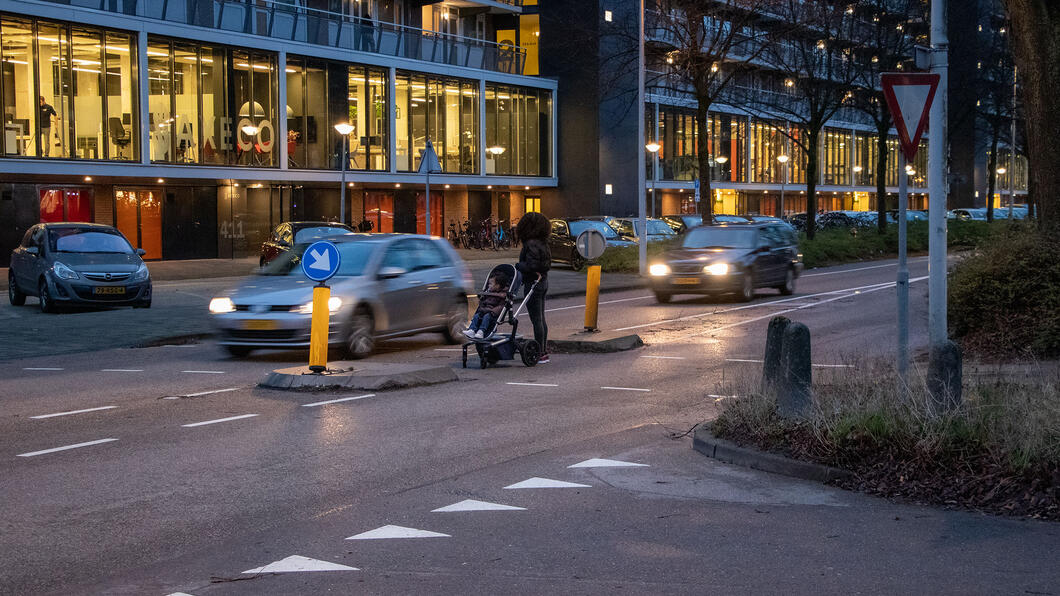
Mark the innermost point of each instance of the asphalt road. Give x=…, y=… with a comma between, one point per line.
x=178, y=474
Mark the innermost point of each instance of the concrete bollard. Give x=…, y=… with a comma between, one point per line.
x=793, y=392
x=771, y=363
x=945, y=371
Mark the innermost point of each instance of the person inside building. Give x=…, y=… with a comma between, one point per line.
x=535, y=259
x=47, y=112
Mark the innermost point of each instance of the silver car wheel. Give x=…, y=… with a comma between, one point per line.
x=456, y=322
x=747, y=289
x=361, y=341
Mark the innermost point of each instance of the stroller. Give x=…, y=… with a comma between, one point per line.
x=496, y=346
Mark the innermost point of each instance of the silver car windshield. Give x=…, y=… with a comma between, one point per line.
x=353, y=256
x=712, y=237
x=317, y=232
x=577, y=227
x=87, y=240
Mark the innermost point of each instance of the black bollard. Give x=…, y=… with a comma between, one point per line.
x=793, y=393
x=945, y=370
x=772, y=370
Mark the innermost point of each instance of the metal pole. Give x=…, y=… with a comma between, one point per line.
x=937, y=152
x=783, y=184
x=655, y=165
x=1012, y=149
x=427, y=215
x=642, y=251
x=903, y=275
x=342, y=192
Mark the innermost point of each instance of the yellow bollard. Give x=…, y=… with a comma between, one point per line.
x=592, y=297
x=318, y=332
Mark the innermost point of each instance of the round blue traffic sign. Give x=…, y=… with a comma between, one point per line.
x=320, y=262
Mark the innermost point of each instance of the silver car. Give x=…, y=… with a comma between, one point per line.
x=388, y=285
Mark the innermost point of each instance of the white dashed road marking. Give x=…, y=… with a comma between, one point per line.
x=606, y=463
x=335, y=401
x=397, y=532
x=535, y=384
x=626, y=389
x=751, y=360
x=201, y=393
x=72, y=412
x=473, y=505
x=297, y=563
x=665, y=357
x=42, y=368
x=545, y=483
x=230, y=418
x=122, y=370
x=65, y=447
x=204, y=372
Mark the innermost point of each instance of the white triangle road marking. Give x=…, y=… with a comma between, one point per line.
x=546, y=483
x=606, y=463
x=321, y=260
x=297, y=563
x=911, y=101
x=179, y=594
x=397, y=532
x=473, y=505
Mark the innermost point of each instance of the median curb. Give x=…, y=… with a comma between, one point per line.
x=725, y=451
x=600, y=342
x=347, y=375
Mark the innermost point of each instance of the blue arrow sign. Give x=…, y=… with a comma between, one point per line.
x=320, y=262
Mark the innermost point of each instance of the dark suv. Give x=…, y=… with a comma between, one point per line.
x=729, y=258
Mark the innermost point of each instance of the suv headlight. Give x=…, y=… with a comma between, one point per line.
x=717, y=269
x=220, y=306
x=659, y=269
x=334, y=304
x=63, y=272
x=141, y=273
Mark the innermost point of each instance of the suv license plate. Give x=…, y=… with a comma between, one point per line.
x=686, y=281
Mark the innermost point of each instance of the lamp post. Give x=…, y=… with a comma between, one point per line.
x=1000, y=172
x=344, y=129
x=783, y=159
x=653, y=148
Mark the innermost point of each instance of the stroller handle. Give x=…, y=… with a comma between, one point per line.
x=533, y=287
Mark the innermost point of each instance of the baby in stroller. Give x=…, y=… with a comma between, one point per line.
x=490, y=305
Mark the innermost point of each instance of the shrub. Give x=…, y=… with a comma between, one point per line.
x=1004, y=300
x=626, y=259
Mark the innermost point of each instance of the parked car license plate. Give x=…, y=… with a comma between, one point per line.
x=100, y=290
x=259, y=324
x=686, y=281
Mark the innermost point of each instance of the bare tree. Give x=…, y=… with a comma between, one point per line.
x=887, y=47
x=995, y=104
x=813, y=72
x=705, y=45
x=1036, y=48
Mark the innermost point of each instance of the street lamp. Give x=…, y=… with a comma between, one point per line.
x=653, y=148
x=783, y=159
x=344, y=129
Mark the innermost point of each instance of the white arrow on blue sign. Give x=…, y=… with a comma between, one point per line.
x=320, y=262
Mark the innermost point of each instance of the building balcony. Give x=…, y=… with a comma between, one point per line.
x=293, y=21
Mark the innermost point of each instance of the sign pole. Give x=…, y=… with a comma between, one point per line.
x=642, y=243
x=903, y=274
x=320, y=262
x=428, y=214
x=937, y=179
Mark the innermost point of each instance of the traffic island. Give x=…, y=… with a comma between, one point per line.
x=595, y=342
x=728, y=452
x=343, y=375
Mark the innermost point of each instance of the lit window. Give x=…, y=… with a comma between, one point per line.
x=607, y=16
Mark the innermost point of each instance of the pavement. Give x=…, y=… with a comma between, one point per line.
x=166, y=470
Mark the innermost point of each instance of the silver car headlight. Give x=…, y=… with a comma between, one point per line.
x=659, y=269
x=141, y=273
x=717, y=269
x=334, y=304
x=219, y=306
x=63, y=272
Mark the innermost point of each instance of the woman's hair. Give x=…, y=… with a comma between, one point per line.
x=533, y=226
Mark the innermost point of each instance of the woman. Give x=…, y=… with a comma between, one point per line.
x=535, y=259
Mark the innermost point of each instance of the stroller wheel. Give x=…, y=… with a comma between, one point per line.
x=530, y=352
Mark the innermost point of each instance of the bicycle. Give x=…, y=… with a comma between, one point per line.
x=501, y=237
x=453, y=235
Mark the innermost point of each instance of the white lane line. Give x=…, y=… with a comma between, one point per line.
x=449, y=349
x=744, y=360
x=781, y=312
x=204, y=372
x=665, y=357
x=335, y=401
x=756, y=305
x=718, y=398
x=815, y=365
x=121, y=370
x=181, y=346
x=230, y=418
x=201, y=393
x=42, y=416
x=41, y=368
x=626, y=389
x=65, y=447
x=858, y=269
x=833, y=365
x=535, y=384
x=602, y=302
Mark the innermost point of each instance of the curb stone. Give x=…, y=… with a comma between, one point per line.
x=372, y=377
x=725, y=451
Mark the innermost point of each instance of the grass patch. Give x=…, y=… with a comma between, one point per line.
x=998, y=452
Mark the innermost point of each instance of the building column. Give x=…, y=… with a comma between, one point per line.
x=281, y=134
x=143, y=87
x=482, y=143
x=391, y=119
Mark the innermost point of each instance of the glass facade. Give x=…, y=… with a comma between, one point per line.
x=442, y=110
x=69, y=91
x=322, y=94
x=835, y=157
x=518, y=131
x=213, y=105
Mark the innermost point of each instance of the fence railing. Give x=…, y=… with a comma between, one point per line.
x=293, y=21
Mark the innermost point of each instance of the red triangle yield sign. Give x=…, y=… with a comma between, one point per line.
x=909, y=98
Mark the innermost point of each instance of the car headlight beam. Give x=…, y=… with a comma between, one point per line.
x=659, y=269
x=717, y=269
x=334, y=304
x=220, y=306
